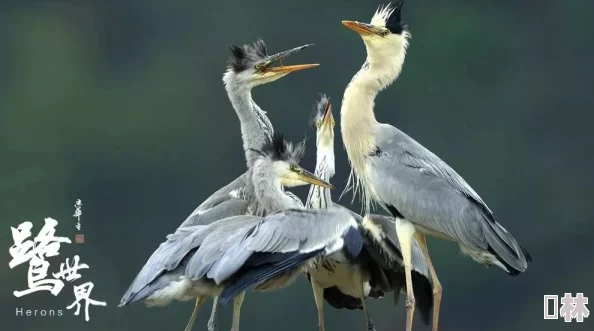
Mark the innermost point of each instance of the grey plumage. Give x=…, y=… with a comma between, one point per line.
x=223, y=235
x=249, y=66
x=278, y=161
x=427, y=191
x=281, y=237
x=244, y=57
x=424, y=194
x=160, y=261
x=232, y=199
x=232, y=191
x=381, y=259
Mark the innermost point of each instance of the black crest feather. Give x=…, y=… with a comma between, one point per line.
x=242, y=57
x=318, y=110
x=279, y=149
x=394, y=22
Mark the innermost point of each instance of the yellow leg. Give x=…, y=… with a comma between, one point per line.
x=436, y=284
x=199, y=302
x=319, y=298
x=237, y=302
x=405, y=231
x=358, y=282
x=213, y=321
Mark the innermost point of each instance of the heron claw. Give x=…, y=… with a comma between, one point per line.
x=212, y=325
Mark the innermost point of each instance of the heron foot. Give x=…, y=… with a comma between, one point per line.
x=212, y=325
x=370, y=326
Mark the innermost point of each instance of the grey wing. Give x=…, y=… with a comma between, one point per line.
x=158, y=262
x=225, y=209
x=231, y=192
x=283, y=241
x=170, y=253
x=415, y=184
x=222, y=235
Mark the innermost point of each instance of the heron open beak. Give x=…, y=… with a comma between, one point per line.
x=285, y=54
x=363, y=29
x=328, y=118
x=279, y=57
x=293, y=68
x=310, y=178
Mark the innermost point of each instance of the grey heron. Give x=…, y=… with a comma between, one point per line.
x=274, y=251
x=248, y=66
x=174, y=276
x=423, y=193
x=332, y=279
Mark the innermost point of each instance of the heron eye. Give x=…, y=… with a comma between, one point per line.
x=384, y=33
x=319, y=124
x=294, y=167
x=258, y=66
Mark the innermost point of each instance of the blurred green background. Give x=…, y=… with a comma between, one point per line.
x=121, y=104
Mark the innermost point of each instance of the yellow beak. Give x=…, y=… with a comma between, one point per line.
x=361, y=28
x=328, y=118
x=310, y=178
x=293, y=68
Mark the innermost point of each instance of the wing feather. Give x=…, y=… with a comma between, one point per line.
x=429, y=193
x=224, y=234
x=292, y=231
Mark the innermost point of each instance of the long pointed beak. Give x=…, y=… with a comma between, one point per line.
x=279, y=57
x=361, y=28
x=310, y=178
x=287, y=69
x=285, y=54
x=327, y=120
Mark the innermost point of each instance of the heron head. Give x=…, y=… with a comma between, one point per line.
x=385, y=33
x=252, y=65
x=284, y=158
x=323, y=122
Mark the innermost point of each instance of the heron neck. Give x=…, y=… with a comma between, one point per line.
x=255, y=125
x=268, y=189
x=320, y=197
x=357, y=112
x=357, y=116
x=358, y=120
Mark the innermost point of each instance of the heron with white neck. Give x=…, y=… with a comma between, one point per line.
x=346, y=283
x=423, y=193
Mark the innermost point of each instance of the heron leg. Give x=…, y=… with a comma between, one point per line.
x=358, y=282
x=405, y=231
x=319, y=298
x=237, y=302
x=436, y=284
x=213, y=324
x=199, y=302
